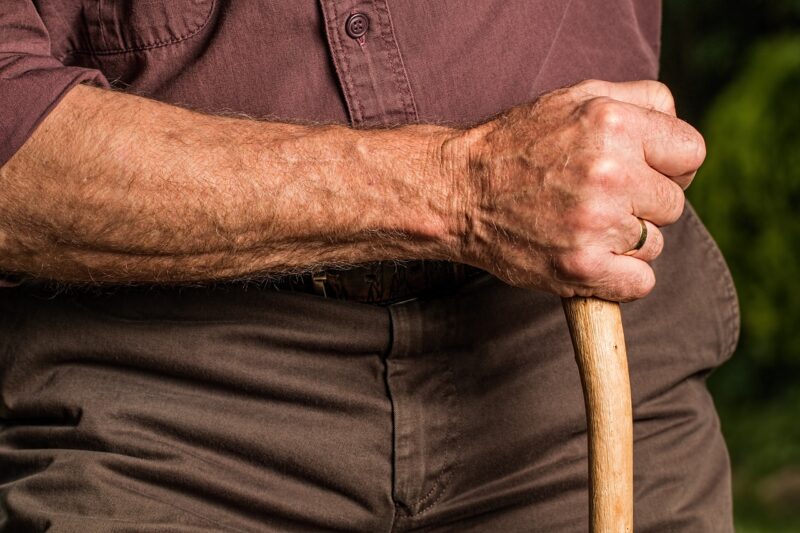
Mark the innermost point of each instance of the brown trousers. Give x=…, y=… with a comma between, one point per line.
x=245, y=409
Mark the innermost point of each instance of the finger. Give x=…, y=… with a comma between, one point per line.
x=670, y=145
x=655, y=197
x=629, y=279
x=653, y=242
x=648, y=94
x=667, y=144
x=595, y=271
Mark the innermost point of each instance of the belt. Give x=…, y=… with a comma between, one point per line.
x=382, y=283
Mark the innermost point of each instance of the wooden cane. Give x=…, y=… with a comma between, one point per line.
x=596, y=330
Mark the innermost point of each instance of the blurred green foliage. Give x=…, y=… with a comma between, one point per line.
x=735, y=70
x=749, y=195
x=705, y=44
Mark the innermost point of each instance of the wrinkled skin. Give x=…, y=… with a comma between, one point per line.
x=556, y=186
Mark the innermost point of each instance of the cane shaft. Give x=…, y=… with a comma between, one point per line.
x=596, y=330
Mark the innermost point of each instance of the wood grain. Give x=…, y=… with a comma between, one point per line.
x=599, y=342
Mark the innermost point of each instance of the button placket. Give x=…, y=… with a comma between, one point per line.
x=368, y=62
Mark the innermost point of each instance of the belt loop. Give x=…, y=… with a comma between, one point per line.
x=319, y=279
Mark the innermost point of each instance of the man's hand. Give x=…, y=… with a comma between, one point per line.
x=555, y=188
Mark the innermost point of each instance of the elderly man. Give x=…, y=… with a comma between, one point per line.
x=295, y=266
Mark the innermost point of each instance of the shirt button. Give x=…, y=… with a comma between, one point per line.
x=357, y=25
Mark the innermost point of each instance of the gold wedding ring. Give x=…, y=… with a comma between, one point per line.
x=642, y=238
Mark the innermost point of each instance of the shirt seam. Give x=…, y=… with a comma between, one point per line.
x=396, y=60
x=341, y=63
x=151, y=46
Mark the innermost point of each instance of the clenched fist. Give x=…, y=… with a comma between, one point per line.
x=555, y=190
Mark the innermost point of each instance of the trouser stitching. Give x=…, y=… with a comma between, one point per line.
x=450, y=458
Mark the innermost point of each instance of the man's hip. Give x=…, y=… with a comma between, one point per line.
x=242, y=409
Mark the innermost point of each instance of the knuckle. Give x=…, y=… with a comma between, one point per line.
x=605, y=171
x=606, y=114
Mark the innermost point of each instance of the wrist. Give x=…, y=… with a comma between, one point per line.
x=460, y=169
x=428, y=162
x=448, y=173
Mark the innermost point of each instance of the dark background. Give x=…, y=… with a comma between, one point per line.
x=734, y=68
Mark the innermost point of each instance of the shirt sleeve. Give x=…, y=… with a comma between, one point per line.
x=32, y=81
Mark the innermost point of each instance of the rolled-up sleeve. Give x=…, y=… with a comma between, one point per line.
x=32, y=81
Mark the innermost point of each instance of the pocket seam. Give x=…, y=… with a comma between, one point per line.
x=150, y=46
x=732, y=322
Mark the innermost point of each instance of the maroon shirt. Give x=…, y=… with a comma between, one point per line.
x=451, y=61
x=152, y=362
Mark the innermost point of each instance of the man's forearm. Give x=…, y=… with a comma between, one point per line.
x=550, y=195
x=115, y=188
